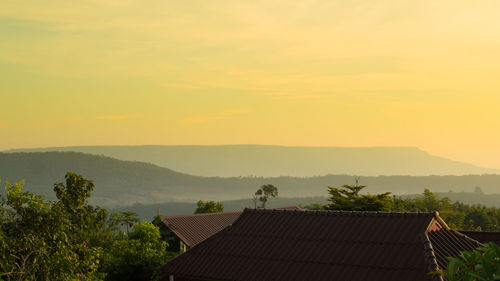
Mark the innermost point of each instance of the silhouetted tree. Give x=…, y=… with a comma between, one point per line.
x=263, y=193
x=348, y=198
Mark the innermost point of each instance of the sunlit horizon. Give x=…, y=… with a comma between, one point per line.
x=292, y=73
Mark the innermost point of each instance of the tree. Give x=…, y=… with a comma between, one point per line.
x=37, y=241
x=87, y=221
x=69, y=239
x=128, y=219
x=208, y=207
x=138, y=255
x=478, y=190
x=166, y=234
x=347, y=198
x=480, y=264
x=263, y=193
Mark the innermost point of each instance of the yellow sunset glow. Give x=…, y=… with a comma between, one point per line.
x=295, y=72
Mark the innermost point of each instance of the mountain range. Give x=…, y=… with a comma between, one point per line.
x=275, y=161
x=121, y=182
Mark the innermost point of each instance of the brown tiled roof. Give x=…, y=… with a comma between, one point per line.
x=193, y=229
x=274, y=245
x=484, y=236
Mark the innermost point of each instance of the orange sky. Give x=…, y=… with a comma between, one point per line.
x=295, y=72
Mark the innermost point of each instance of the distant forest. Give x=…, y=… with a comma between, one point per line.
x=148, y=211
x=119, y=183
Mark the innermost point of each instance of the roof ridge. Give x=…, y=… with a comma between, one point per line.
x=341, y=212
x=440, y=220
x=472, y=240
x=230, y=212
x=430, y=258
x=200, y=215
x=475, y=231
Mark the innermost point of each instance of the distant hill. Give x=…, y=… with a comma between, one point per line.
x=472, y=198
x=148, y=211
x=274, y=161
x=126, y=182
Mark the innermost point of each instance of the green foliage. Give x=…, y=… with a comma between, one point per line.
x=136, y=256
x=263, y=194
x=208, y=207
x=69, y=239
x=74, y=194
x=314, y=206
x=457, y=215
x=38, y=242
x=173, y=243
x=481, y=264
x=347, y=198
x=127, y=219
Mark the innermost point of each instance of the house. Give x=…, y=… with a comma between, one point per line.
x=484, y=236
x=275, y=245
x=189, y=230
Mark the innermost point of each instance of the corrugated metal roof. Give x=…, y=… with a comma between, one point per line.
x=484, y=236
x=321, y=245
x=193, y=229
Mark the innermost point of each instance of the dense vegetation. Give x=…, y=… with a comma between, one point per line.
x=125, y=183
x=457, y=215
x=481, y=264
x=204, y=207
x=68, y=239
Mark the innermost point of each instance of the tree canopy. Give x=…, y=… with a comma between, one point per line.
x=263, y=193
x=69, y=239
x=348, y=198
x=480, y=264
x=208, y=207
x=458, y=215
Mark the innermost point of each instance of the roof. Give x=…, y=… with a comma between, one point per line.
x=193, y=229
x=319, y=245
x=484, y=236
x=449, y=243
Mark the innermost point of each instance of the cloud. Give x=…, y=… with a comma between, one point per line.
x=118, y=117
x=38, y=125
x=199, y=119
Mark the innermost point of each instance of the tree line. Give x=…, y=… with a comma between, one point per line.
x=458, y=215
x=69, y=239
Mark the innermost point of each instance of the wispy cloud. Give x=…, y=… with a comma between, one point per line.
x=226, y=114
x=38, y=125
x=118, y=117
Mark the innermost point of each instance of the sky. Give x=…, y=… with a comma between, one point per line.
x=284, y=72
